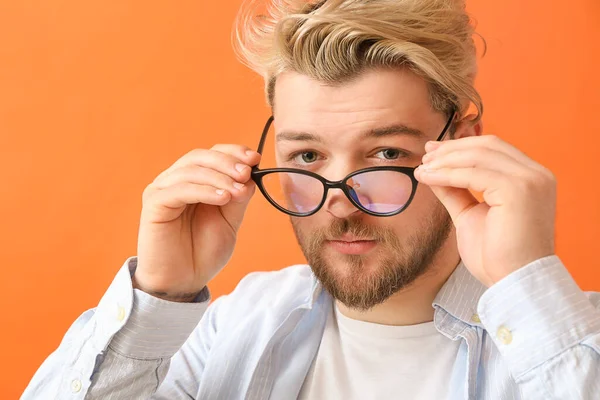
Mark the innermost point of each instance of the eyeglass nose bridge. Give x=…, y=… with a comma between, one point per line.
x=334, y=184
x=348, y=191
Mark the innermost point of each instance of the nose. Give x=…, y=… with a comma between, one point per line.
x=336, y=203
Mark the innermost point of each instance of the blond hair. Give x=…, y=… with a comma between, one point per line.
x=333, y=41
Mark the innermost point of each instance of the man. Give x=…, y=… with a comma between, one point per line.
x=415, y=289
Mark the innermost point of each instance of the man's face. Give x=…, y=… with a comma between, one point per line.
x=361, y=259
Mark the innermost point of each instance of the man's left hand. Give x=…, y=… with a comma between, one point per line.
x=514, y=225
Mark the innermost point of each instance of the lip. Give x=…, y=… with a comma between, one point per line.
x=349, y=238
x=354, y=247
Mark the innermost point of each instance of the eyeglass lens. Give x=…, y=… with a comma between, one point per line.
x=380, y=191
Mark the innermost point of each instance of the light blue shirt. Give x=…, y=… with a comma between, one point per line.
x=533, y=335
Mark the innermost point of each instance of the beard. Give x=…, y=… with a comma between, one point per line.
x=397, y=263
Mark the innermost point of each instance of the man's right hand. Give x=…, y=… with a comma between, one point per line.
x=190, y=217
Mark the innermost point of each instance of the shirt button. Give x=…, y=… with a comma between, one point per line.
x=120, y=314
x=504, y=335
x=475, y=318
x=75, y=385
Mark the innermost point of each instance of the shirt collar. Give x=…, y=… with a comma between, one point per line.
x=458, y=297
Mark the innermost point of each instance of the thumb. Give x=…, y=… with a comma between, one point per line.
x=455, y=200
x=234, y=211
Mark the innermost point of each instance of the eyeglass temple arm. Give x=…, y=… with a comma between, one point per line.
x=450, y=120
x=263, y=137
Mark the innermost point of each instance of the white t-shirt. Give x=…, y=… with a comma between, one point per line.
x=363, y=360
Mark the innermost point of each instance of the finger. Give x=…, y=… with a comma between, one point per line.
x=477, y=157
x=238, y=169
x=485, y=141
x=234, y=210
x=222, y=162
x=241, y=152
x=200, y=176
x=456, y=201
x=462, y=207
x=169, y=201
x=480, y=180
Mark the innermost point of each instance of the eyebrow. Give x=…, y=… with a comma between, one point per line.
x=298, y=136
x=392, y=130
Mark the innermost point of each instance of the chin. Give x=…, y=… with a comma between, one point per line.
x=350, y=270
x=361, y=281
x=349, y=265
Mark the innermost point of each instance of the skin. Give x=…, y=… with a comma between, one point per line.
x=192, y=211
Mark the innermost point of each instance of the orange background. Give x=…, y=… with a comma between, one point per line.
x=97, y=98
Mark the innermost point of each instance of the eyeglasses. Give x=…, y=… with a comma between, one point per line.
x=378, y=191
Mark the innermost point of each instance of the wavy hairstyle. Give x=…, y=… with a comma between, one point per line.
x=333, y=41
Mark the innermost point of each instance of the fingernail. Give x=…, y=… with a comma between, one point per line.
x=431, y=146
x=428, y=170
x=238, y=186
x=240, y=167
x=250, y=152
x=220, y=191
x=424, y=169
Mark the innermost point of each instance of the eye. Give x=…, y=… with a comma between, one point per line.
x=390, y=154
x=305, y=157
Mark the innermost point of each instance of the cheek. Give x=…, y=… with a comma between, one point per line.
x=306, y=226
x=423, y=201
x=421, y=207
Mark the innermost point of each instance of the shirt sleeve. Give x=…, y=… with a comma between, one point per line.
x=547, y=330
x=121, y=349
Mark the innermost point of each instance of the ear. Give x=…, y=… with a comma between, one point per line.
x=468, y=127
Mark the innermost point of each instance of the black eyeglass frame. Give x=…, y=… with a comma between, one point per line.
x=258, y=175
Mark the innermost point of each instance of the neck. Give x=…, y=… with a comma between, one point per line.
x=413, y=304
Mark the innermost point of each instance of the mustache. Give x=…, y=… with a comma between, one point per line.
x=353, y=227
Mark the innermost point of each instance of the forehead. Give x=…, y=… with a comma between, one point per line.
x=373, y=99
